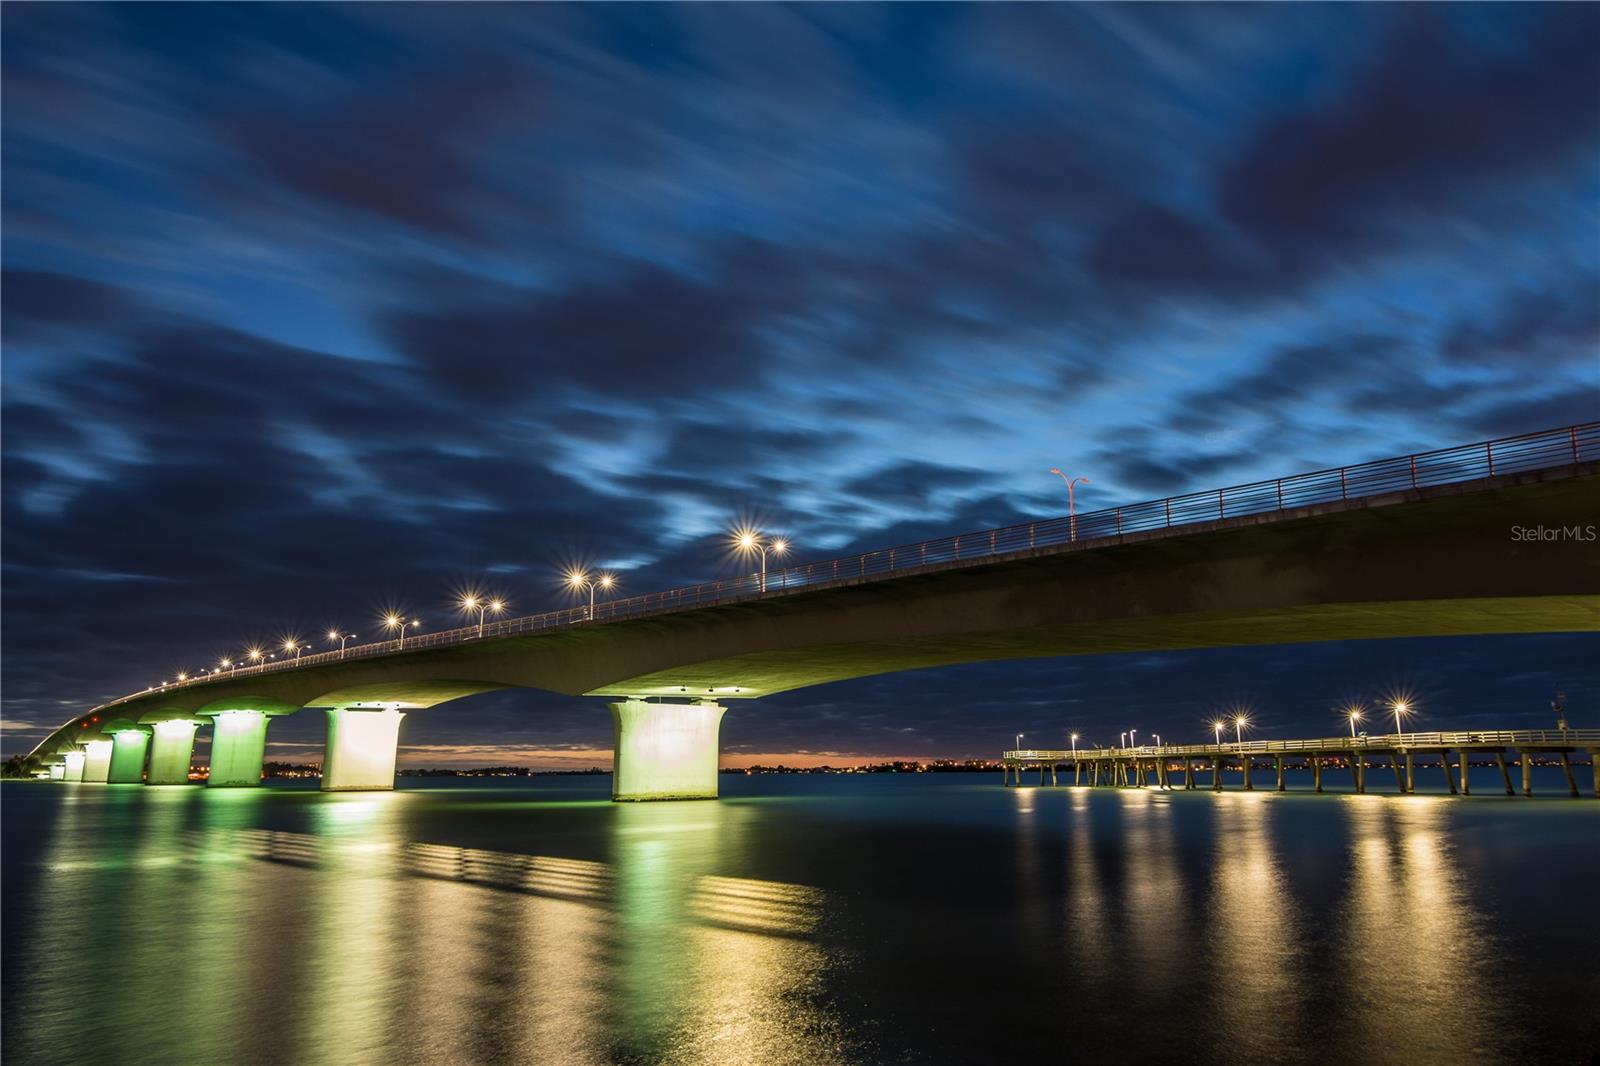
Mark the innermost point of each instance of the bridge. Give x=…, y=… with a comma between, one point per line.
x=1417, y=545
x=1138, y=767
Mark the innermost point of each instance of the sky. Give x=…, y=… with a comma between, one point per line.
x=309, y=311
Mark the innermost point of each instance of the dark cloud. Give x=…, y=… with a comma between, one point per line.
x=1447, y=108
x=312, y=309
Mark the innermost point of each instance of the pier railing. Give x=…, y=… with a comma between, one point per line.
x=1468, y=738
x=1528, y=452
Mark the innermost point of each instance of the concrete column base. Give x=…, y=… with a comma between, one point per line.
x=128, y=747
x=665, y=751
x=72, y=766
x=238, y=744
x=171, y=752
x=360, y=754
x=57, y=771
x=97, y=761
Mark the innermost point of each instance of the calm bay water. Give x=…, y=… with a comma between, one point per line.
x=928, y=918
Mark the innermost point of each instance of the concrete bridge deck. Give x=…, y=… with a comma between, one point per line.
x=1138, y=766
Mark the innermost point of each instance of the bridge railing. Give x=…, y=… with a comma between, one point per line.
x=1468, y=737
x=1469, y=462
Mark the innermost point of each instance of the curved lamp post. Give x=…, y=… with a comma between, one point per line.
x=1072, y=508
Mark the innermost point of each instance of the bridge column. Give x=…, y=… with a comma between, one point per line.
x=1466, y=779
x=1450, y=778
x=171, y=752
x=1505, y=775
x=361, y=748
x=72, y=765
x=1594, y=766
x=667, y=750
x=1278, y=760
x=58, y=771
x=97, y=760
x=1358, y=770
x=128, y=748
x=1188, y=773
x=1216, y=772
x=1527, y=773
x=1411, y=773
x=1246, y=760
x=1566, y=768
x=1316, y=772
x=238, y=743
x=1399, y=777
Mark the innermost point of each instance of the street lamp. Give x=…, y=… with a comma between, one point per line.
x=255, y=655
x=1122, y=742
x=334, y=634
x=1019, y=741
x=1239, y=722
x=1158, y=739
x=473, y=602
x=1133, y=738
x=293, y=644
x=1072, y=509
x=1216, y=730
x=1400, y=707
x=1074, y=747
x=392, y=622
x=750, y=540
x=1354, y=714
x=227, y=664
x=581, y=579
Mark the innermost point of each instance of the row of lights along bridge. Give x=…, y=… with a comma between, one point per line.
x=578, y=580
x=1353, y=713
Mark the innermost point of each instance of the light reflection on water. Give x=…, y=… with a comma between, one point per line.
x=904, y=921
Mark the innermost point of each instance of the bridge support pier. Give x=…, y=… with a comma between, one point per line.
x=1411, y=773
x=668, y=750
x=1216, y=772
x=1248, y=786
x=1527, y=774
x=1188, y=774
x=1450, y=778
x=171, y=752
x=1594, y=765
x=1358, y=770
x=238, y=743
x=58, y=771
x=1316, y=773
x=97, y=761
x=1505, y=775
x=1278, y=761
x=72, y=766
x=128, y=748
x=1466, y=779
x=1399, y=776
x=1566, y=768
x=360, y=752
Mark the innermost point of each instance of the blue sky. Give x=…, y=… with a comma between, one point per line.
x=309, y=309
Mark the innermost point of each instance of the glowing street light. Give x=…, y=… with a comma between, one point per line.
x=582, y=579
x=1019, y=740
x=473, y=602
x=334, y=634
x=392, y=622
x=255, y=655
x=1133, y=738
x=1158, y=738
x=293, y=645
x=1400, y=707
x=1239, y=722
x=183, y=675
x=1072, y=508
x=1354, y=714
x=227, y=664
x=1217, y=725
x=751, y=540
x=1074, y=740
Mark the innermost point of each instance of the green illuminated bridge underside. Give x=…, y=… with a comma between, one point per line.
x=1431, y=562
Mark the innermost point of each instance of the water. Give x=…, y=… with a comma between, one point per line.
x=928, y=918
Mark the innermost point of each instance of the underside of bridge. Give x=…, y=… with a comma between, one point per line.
x=1435, y=562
